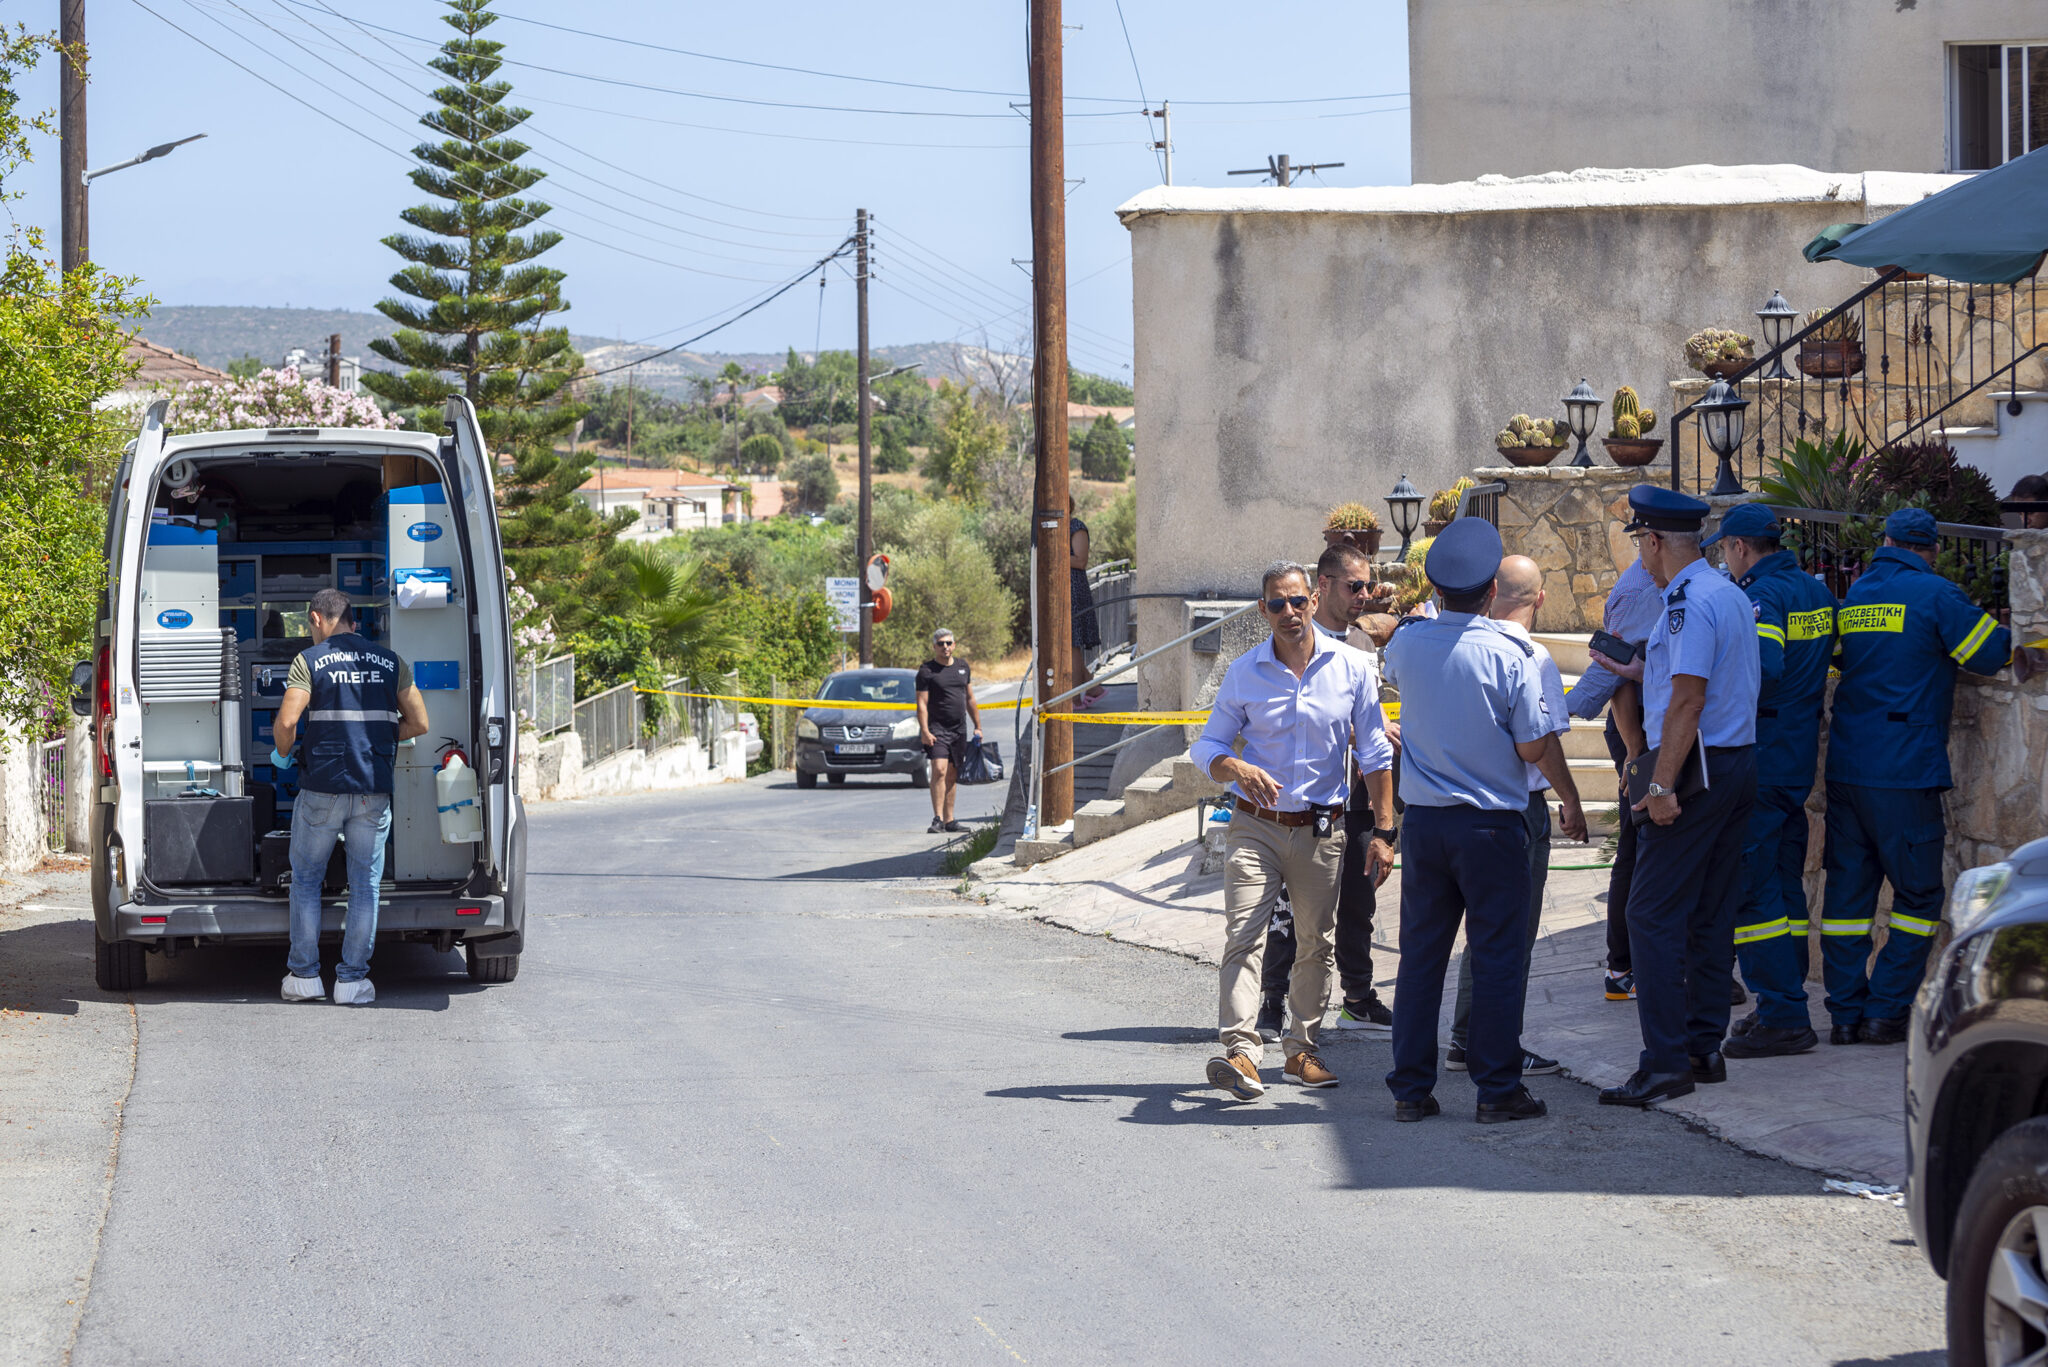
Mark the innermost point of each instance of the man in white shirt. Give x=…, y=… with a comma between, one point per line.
x=1517, y=599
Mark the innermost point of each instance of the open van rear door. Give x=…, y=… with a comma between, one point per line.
x=127, y=537
x=497, y=730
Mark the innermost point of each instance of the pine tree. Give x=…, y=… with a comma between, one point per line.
x=473, y=321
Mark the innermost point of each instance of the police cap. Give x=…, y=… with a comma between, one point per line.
x=1653, y=508
x=1464, y=558
x=1911, y=527
x=1746, y=519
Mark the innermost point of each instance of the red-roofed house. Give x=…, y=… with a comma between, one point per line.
x=671, y=501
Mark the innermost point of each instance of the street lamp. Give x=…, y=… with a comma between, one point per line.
x=1405, y=506
x=1721, y=420
x=1775, y=319
x=76, y=228
x=1584, y=406
x=161, y=149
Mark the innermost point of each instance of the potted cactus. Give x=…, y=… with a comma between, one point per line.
x=1629, y=442
x=1531, y=441
x=1718, y=353
x=1834, y=349
x=1354, y=524
x=1443, y=506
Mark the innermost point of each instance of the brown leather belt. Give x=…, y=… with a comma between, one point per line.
x=1300, y=818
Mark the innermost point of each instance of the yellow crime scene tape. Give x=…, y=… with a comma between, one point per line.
x=1392, y=709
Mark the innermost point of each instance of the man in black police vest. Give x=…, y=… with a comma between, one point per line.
x=358, y=702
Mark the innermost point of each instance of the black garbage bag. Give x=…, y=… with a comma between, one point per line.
x=984, y=763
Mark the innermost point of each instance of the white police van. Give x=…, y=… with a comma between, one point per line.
x=215, y=543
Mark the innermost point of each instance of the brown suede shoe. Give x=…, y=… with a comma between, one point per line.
x=1309, y=1071
x=1237, y=1075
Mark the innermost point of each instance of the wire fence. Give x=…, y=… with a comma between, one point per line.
x=608, y=722
x=50, y=792
x=1110, y=585
x=547, y=694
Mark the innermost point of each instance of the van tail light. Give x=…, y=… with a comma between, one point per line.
x=103, y=711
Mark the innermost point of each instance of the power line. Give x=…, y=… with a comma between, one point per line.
x=789, y=285
x=1143, y=100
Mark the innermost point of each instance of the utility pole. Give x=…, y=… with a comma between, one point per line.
x=865, y=540
x=1164, y=113
x=1281, y=170
x=77, y=249
x=334, y=360
x=1049, y=403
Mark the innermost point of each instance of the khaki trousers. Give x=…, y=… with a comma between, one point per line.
x=1264, y=857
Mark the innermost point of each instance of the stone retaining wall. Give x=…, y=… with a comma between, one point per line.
x=1568, y=520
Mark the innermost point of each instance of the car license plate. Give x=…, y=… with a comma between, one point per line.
x=855, y=749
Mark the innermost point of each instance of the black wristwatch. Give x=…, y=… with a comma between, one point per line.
x=1390, y=834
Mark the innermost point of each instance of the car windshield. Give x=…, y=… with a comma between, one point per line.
x=869, y=688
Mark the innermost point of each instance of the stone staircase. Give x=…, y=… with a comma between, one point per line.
x=2002, y=444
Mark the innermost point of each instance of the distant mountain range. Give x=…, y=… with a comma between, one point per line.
x=219, y=334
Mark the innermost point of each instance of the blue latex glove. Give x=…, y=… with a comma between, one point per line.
x=281, y=761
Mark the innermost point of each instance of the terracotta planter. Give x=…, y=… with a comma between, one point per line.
x=1632, y=451
x=1830, y=360
x=1724, y=370
x=1432, y=527
x=1367, y=539
x=1530, y=455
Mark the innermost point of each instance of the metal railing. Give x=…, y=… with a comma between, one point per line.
x=1922, y=348
x=546, y=694
x=50, y=792
x=1482, y=500
x=1836, y=547
x=1110, y=586
x=608, y=722
x=668, y=719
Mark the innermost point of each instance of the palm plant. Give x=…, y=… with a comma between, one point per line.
x=668, y=595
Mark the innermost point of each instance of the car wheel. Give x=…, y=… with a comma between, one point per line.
x=921, y=776
x=121, y=966
x=835, y=779
x=501, y=969
x=804, y=780
x=1997, y=1277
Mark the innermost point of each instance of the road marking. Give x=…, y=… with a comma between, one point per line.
x=1006, y=1347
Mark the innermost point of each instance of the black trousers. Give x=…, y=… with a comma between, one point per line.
x=1462, y=864
x=1355, y=906
x=1681, y=914
x=1618, y=957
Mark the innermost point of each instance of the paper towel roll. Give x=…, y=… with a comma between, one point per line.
x=422, y=593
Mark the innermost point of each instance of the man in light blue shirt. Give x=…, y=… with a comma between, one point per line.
x=1701, y=676
x=1303, y=706
x=1471, y=719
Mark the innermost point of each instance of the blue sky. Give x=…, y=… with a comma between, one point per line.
x=280, y=205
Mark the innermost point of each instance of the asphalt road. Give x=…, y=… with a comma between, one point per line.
x=765, y=1091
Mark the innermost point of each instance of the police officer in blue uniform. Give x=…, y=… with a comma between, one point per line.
x=1700, y=680
x=357, y=701
x=1471, y=714
x=1795, y=638
x=1903, y=632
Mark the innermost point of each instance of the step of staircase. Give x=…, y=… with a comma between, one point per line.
x=1569, y=649
x=1052, y=842
x=1144, y=799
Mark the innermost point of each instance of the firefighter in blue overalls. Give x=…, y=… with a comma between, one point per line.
x=358, y=701
x=1795, y=638
x=1902, y=633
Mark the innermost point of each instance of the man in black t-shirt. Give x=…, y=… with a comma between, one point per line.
x=945, y=705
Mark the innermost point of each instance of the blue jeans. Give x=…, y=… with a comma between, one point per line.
x=363, y=820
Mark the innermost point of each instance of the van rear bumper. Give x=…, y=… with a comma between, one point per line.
x=258, y=919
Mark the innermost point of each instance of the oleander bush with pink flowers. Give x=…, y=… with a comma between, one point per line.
x=273, y=398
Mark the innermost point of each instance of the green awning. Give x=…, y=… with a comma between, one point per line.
x=1991, y=229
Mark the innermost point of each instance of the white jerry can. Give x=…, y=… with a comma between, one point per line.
x=462, y=821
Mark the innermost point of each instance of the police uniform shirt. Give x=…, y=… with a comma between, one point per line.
x=1559, y=721
x=1631, y=612
x=1709, y=631
x=1902, y=633
x=1795, y=639
x=1471, y=694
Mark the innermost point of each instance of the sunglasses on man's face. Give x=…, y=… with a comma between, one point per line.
x=945, y=645
x=1296, y=601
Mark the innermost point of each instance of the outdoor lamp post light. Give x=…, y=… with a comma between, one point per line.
x=1584, y=407
x=1721, y=419
x=1405, y=504
x=1775, y=319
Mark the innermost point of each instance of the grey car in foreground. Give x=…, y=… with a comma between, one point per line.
x=860, y=738
x=1977, y=1113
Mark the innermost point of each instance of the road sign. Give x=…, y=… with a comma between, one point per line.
x=844, y=596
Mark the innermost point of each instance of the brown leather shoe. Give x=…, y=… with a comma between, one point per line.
x=1309, y=1071
x=1237, y=1075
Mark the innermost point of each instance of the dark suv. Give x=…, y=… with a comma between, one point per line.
x=1977, y=1113
x=859, y=738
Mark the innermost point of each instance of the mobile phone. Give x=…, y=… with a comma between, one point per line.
x=1613, y=647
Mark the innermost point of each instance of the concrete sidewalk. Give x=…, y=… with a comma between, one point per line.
x=1837, y=1110
x=67, y=1057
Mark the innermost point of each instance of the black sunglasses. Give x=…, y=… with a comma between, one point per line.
x=1297, y=602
